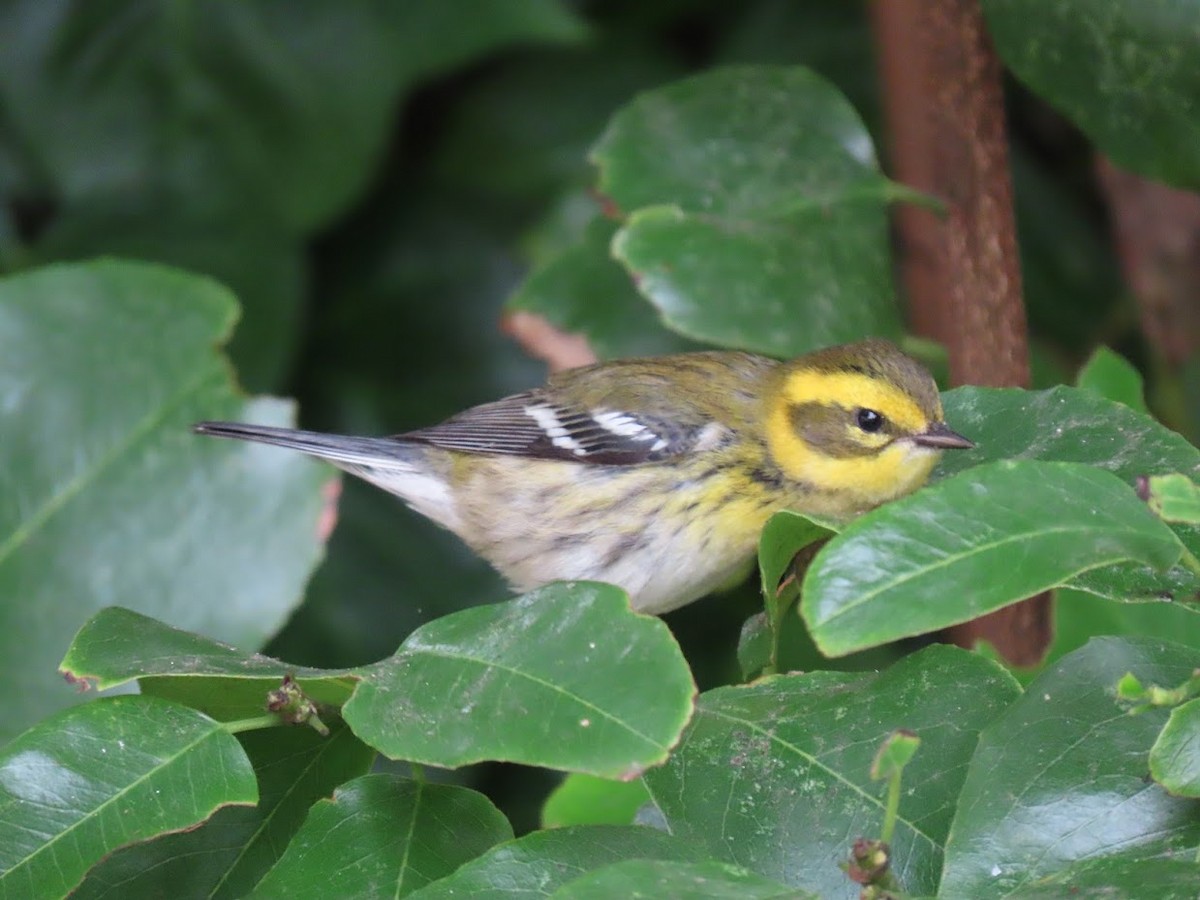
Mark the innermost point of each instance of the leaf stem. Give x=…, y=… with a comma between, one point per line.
x=892, y=811
x=237, y=726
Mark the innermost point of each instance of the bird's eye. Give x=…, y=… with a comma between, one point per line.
x=869, y=420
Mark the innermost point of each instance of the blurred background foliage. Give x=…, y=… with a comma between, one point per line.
x=374, y=179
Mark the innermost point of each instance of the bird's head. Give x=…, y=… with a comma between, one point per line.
x=861, y=421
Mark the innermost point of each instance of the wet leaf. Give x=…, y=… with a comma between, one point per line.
x=95, y=778
x=756, y=213
x=775, y=776
x=1060, y=783
x=226, y=856
x=105, y=494
x=986, y=538
x=610, y=688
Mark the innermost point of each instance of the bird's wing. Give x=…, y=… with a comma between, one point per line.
x=617, y=413
x=579, y=418
x=542, y=424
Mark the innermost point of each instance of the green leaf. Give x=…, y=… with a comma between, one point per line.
x=232, y=101
x=894, y=754
x=1174, y=498
x=1129, y=875
x=537, y=864
x=757, y=216
x=785, y=534
x=1175, y=756
x=1059, y=780
x=756, y=644
x=240, y=247
x=1122, y=71
x=775, y=776
x=610, y=687
x=92, y=779
x=1064, y=424
x=971, y=544
x=384, y=836
x=1113, y=377
x=118, y=646
x=585, y=291
x=106, y=495
x=1080, y=616
x=227, y=855
x=644, y=879
x=588, y=800
x=1072, y=425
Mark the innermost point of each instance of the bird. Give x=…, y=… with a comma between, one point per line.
x=656, y=474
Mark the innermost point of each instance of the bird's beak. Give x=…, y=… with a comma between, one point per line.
x=938, y=436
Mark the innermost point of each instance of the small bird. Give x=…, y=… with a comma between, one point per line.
x=656, y=474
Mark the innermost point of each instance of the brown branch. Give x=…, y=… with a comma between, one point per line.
x=944, y=101
x=542, y=340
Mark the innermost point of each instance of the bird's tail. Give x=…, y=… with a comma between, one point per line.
x=398, y=466
x=341, y=450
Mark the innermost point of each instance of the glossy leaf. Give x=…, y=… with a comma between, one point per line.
x=776, y=776
x=643, y=879
x=1175, y=756
x=1064, y=424
x=105, y=494
x=384, y=836
x=226, y=856
x=118, y=646
x=588, y=800
x=1060, y=780
x=1073, y=425
x=757, y=216
x=1121, y=71
x=539, y=863
x=974, y=543
x=1126, y=874
x=566, y=677
x=92, y=779
x=1112, y=377
x=585, y=291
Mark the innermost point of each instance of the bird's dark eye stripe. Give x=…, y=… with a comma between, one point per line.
x=869, y=420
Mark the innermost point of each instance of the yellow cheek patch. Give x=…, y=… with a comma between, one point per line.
x=870, y=480
x=851, y=389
